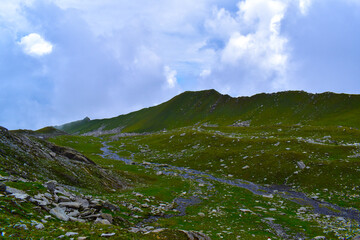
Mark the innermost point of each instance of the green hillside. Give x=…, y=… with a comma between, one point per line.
x=209, y=106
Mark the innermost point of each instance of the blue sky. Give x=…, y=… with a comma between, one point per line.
x=62, y=60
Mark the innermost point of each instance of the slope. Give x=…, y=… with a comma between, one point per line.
x=209, y=106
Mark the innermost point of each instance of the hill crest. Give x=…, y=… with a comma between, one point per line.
x=209, y=106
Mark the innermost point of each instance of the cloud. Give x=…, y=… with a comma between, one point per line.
x=255, y=51
x=34, y=45
x=99, y=69
x=170, y=77
x=304, y=6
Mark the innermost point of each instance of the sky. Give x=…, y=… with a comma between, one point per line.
x=63, y=60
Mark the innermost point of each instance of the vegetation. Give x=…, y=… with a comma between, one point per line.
x=282, y=165
x=189, y=108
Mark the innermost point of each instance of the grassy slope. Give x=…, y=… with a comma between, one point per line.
x=188, y=108
x=221, y=151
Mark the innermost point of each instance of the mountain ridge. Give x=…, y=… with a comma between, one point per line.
x=209, y=106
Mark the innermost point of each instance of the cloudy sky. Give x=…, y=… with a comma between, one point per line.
x=62, y=60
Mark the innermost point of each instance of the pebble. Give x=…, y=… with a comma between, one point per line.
x=107, y=234
x=68, y=234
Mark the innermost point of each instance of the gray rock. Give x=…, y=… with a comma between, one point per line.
x=301, y=164
x=21, y=196
x=102, y=221
x=21, y=226
x=39, y=226
x=74, y=213
x=196, y=235
x=59, y=213
x=69, y=234
x=88, y=212
x=48, y=195
x=83, y=202
x=320, y=237
x=107, y=234
x=201, y=214
x=51, y=186
x=63, y=199
x=107, y=217
x=134, y=230
x=70, y=204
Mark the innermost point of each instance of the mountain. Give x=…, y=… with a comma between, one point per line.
x=209, y=106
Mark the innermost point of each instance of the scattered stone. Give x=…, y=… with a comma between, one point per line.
x=302, y=210
x=268, y=196
x=245, y=210
x=134, y=230
x=196, y=235
x=245, y=167
x=107, y=234
x=301, y=165
x=69, y=234
x=201, y=214
x=320, y=237
x=102, y=221
x=39, y=226
x=21, y=226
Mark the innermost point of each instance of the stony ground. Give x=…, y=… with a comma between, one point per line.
x=199, y=182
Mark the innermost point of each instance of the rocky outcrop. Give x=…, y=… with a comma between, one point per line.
x=70, y=153
x=31, y=158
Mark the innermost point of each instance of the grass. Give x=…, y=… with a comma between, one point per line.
x=271, y=153
x=209, y=106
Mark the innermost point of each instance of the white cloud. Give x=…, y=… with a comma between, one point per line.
x=263, y=48
x=170, y=77
x=34, y=45
x=205, y=73
x=304, y=6
x=221, y=24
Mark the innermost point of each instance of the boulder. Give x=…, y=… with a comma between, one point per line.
x=59, y=213
x=70, y=204
x=107, y=217
x=102, y=221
